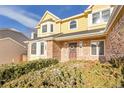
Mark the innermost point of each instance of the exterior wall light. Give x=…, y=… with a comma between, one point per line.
x=65, y=44
x=80, y=44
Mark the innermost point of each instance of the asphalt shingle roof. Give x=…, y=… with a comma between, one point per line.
x=13, y=34
x=60, y=35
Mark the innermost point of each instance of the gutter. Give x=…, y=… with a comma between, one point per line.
x=80, y=36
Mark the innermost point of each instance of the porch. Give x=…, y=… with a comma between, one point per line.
x=81, y=49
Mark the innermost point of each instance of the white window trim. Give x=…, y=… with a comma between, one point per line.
x=97, y=53
x=48, y=27
x=42, y=28
x=53, y=27
x=76, y=24
x=99, y=17
x=31, y=49
x=105, y=10
x=102, y=9
x=38, y=48
x=90, y=21
x=45, y=49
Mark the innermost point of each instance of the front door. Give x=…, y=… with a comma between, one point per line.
x=72, y=51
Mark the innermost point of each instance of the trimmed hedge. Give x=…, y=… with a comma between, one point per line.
x=70, y=75
x=59, y=76
x=117, y=62
x=10, y=72
x=63, y=78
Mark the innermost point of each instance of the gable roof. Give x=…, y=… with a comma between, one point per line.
x=58, y=19
x=74, y=16
x=90, y=6
x=47, y=12
x=13, y=34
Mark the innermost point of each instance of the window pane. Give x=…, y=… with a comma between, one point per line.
x=73, y=24
x=35, y=35
x=94, y=48
x=96, y=18
x=101, y=47
x=51, y=26
x=105, y=15
x=42, y=48
x=44, y=28
x=33, y=48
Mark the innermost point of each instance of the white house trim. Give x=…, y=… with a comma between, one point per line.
x=97, y=53
x=81, y=14
x=38, y=49
x=48, y=27
x=90, y=24
x=47, y=12
x=76, y=24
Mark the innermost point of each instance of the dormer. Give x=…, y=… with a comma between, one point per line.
x=99, y=15
x=48, y=25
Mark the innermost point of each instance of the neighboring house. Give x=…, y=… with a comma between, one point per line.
x=79, y=37
x=12, y=46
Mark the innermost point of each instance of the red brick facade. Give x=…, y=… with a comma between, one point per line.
x=49, y=49
x=115, y=39
x=60, y=50
x=53, y=49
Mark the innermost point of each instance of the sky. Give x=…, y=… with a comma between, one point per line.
x=25, y=17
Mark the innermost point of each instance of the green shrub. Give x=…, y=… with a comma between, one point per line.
x=60, y=76
x=117, y=62
x=13, y=71
x=70, y=75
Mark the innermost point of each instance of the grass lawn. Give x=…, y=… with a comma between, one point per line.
x=75, y=74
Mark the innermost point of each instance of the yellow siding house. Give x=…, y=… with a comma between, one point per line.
x=79, y=37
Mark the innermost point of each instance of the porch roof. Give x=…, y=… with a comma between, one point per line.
x=81, y=34
x=46, y=37
x=74, y=35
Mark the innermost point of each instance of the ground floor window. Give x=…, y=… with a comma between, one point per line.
x=42, y=48
x=97, y=47
x=38, y=48
x=33, y=48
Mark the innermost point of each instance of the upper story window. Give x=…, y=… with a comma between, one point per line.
x=105, y=15
x=96, y=18
x=33, y=35
x=73, y=24
x=33, y=48
x=51, y=27
x=44, y=28
x=47, y=27
x=101, y=16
